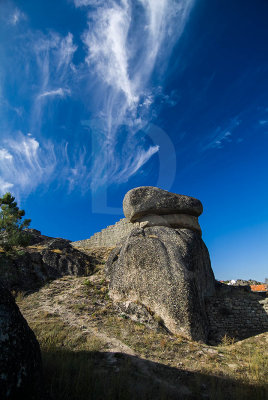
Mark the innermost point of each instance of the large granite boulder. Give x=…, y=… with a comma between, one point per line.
x=152, y=200
x=20, y=358
x=163, y=264
x=169, y=272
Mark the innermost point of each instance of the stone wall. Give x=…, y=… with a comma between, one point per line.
x=237, y=313
x=108, y=237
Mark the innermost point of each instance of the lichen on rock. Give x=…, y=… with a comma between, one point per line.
x=165, y=268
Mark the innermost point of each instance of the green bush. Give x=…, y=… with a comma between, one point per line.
x=12, y=224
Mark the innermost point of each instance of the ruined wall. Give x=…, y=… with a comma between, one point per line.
x=108, y=237
x=237, y=314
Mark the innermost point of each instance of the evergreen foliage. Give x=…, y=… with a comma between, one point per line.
x=12, y=224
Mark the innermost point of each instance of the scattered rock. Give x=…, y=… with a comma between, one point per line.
x=212, y=351
x=58, y=243
x=138, y=313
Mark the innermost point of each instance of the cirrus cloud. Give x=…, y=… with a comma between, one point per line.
x=126, y=44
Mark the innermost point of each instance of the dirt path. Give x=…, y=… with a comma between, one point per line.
x=59, y=297
x=64, y=298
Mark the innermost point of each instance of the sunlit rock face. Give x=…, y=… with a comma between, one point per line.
x=166, y=267
x=146, y=200
x=20, y=358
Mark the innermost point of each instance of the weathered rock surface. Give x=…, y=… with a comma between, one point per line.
x=36, y=237
x=39, y=264
x=167, y=270
x=152, y=200
x=170, y=220
x=20, y=359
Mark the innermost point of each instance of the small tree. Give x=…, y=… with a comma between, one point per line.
x=12, y=225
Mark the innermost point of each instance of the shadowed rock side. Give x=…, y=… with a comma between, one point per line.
x=237, y=312
x=20, y=359
x=168, y=270
x=42, y=262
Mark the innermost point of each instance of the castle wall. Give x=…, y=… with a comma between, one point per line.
x=108, y=237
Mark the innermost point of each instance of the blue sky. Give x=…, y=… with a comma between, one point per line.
x=98, y=97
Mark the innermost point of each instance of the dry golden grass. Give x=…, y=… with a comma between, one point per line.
x=36, y=247
x=231, y=370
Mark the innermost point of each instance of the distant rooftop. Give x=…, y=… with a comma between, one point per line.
x=258, y=288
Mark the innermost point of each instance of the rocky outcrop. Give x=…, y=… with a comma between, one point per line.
x=38, y=264
x=165, y=268
x=35, y=236
x=20, y=359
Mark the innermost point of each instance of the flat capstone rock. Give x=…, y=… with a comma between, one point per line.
x=151, y=200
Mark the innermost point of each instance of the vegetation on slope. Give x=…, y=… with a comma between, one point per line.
x=12, y=224
x=90, y=351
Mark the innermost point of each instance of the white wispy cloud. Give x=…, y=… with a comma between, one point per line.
x=124, y=57
x=5, y=155
x=5, y=104
x=60, y=92
x=135, y=162
x=24, y=164
x=16, y=16
x=81, y=3
x=76, y=171
x=124, y=47
x=65, y=52
x=221, y=136
x=119, y=170
x=5, y=186
x=106, y=41
x=126, y=42
x=53, y=56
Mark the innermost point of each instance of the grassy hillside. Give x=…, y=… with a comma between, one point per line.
x=91, y=351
